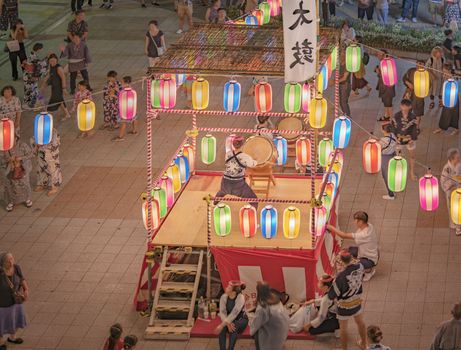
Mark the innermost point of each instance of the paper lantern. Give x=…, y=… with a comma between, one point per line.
x=303, y=151
x=166, y=184
x=330, y=190
x=422, y=82
x=341, y=132
x=339, y=157
x=173, y=173
x=318, y=112
x=155, y=214
x=322, y=79
x=43, y=128
x=291, y=222
x=189, y=153
x=455, y=206
x=329, y=68
x=232, y=93
x=269, y=222
x=333, y=178
x=208, y=149
x=182, y=163
x=388, y=71
x=229, y=143
x=334, y=58
x=275, y=7
x=200, y=93
x=281, y=146
x=155, y=93
x=266, y=9
x=180, y=79
x=86, y=115
x=248, y=221
x=325, y=148
x=320, y=221
x=326, y=201
x=450, y=93
x=251, y=20
x=371, y=156
x=306, y=97
x=263, y=97
x=429, y=192
x=6, y=134
x=337, y=168
x=167, y=93
x=397, y=174
x=128, y=101
x=259, y=16
x=292, y=97
x=353, y=58
x=222, y=219
x=159, y=194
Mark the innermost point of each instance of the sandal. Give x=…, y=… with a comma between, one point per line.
x=117, y=139
x=440, y=104
x=432, y=105
x=437, y=131
x=39, y=189
x=16, y=340
x=28, y=203
x=133, y=132
x=52, y=192
x=9, y=207
x=104, y=126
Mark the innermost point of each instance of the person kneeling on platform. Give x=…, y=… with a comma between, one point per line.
x=233, y=181
x=367, y=243
x=325, y=320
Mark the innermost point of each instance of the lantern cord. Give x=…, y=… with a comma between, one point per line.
x=259, y=200
x=175, y=154
x=194, y=140
x=272, y=131
x=209, y=113
x=149, y=181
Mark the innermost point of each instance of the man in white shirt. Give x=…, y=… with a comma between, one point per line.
x=233, y=181
x=367, y=243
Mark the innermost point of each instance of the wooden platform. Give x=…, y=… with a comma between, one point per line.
x=186, y=224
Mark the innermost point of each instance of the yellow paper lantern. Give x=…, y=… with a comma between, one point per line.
x=173, y=173
x=291, y=222
x=318, y=112
x=455, y=206
x=200, y=94
x=86, y=115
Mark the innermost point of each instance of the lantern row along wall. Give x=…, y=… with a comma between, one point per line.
x=268, y=220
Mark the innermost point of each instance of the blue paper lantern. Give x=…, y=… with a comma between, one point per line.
x=333, y=178
x=282, y=150
x=43, y=128
x=184, y=169
x=251, y=20
x=180, y=79
x=450, y=93
x=269, y=222
x=324, y=75
x=341, y=132
x=232, y=92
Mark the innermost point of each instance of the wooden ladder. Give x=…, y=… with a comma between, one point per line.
x=174, y=302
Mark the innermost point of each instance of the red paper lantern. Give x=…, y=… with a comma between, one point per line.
x=248, y=221
x=263, y=97
x=371, y=157
x=6, y=134
x=303, y=151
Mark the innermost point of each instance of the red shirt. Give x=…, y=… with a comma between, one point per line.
x=118, y=346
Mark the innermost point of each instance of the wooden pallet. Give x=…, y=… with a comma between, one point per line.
x=168, y=304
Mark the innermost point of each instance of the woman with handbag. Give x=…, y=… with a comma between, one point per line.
x=13, y=292
x=15, y=167
x=155, y=43
x=15, y=46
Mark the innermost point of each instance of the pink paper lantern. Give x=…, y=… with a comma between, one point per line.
x=320, y=222
x=388, y=71
x=429, y=192
x=167, y=93
x=306, y=97
x=167, y=184
x=127, y=104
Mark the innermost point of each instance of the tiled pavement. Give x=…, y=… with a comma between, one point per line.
x=81, y=250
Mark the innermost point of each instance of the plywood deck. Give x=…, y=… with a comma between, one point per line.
x=186, y=225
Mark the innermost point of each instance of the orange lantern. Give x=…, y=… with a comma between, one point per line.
x=371, y=157
x=263, y=97
x=6, y=134
x=303, y=151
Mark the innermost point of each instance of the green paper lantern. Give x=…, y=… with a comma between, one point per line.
x=155, y=93
x=292, y=97
x=266, y=9
x=222, y=219
x=160, y=195
x=208, y=149
x=353, y=58
x=325, y=148
x=397, y=174
x=334, y=57
x=326, y=201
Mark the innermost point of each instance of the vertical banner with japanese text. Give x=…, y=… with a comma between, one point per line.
x=300, y=39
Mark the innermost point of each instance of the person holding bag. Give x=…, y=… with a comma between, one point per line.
x=15, y=46
x=14, y=291
x=155, y=43
x=232, y=314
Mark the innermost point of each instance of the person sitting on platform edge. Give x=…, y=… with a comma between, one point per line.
x=367, y=243
x=233, y=181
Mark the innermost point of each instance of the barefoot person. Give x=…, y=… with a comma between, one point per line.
x=233, y=181
x=347, y=290
x=366, y=240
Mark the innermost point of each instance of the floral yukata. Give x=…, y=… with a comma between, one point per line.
x=110, y=102
x=48, y=164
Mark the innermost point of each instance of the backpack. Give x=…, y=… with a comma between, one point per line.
x=365, y=58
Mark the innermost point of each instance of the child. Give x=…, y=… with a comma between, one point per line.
x=222, y=16
x=115, y=341
x=130, y=341
x=450, y=115
x=388, y=147
x=435, y=8
x=83, y=93
x=436, y=62
x=264, y=122
x=448, y=44
x=375, y=335
x=126, y=81
x=110, y=101
x=358, y=78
